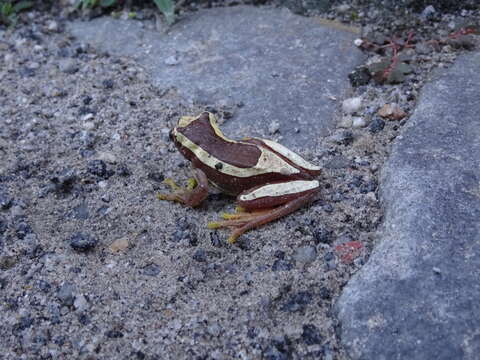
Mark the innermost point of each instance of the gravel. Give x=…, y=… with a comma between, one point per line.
x=176, y=285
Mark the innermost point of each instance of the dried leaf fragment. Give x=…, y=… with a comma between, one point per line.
x=391, y=112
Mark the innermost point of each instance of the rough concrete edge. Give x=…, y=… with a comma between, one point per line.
x=359, y=285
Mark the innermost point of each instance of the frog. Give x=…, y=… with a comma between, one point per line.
x=268, y=180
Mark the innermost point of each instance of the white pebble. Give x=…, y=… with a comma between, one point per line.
x=358, y=122
x=358, y=42
x=52, y=26
x=171, y=60
x=273, y=127
x=352, y=105
x=87, y=117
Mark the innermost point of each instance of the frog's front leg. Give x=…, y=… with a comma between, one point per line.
x=192, y=195
x=267, y=203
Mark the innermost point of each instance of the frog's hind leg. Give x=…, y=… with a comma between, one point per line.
x=242, y=222
x=192, y=195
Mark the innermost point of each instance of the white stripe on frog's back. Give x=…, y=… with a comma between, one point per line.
x=289, y=154
x=280, y=189
x=268, y=162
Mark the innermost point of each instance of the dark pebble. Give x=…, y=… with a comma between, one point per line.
x=193, y=239
x=156, y=176
x=5, y=200
x=151, y=270
x=44, y=286
x=252, y=332
x=124, y=171
x=64, y=180
x=323, y=236
x=66, y=294
x=139, y=355
x=107, y=84
x=311, y=335
x=83, y=319
x=279, y=349
x=343, y=138
x=370, y=186
x=3, y=226
x=360, y=76
x=298, y=302
x=3, y=283
x=87, y=100
x=329, y=256
x=327, y=208
x=376, y=125
x=84, y=110
x=200, y=255
x=23, y=230
x=59, y=340
x=279, y=254
x=82, y=242
x=324, y=293
x=282, y=265
x=24, y=323
x=215, y=239
x=97, y=168
x=114, y=334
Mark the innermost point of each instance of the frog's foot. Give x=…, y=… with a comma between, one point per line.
x=241, y=222
x=192, y=195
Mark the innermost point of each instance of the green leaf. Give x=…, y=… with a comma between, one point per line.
x=396, y=76
x=167, y=7
x=379, y=66
x=22, y=5
x=107, y=3
x=7, y=9
x=404, y=68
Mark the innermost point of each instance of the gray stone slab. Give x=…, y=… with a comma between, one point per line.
x=417, y=297
x=269, y=64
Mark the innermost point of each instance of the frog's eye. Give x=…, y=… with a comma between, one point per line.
x=185, y=121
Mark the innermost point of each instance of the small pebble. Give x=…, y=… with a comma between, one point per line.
x=377, y=125
x=87, y=117
x=82, y=242
x=97, y=168
x=119, y=245
x=358, y=122
x=52, y=26
x=273, y=127
x=352, y=105
x=172, y=60
x=151, y=270
x=108, y=83
x=68, y=66
x=66, y=294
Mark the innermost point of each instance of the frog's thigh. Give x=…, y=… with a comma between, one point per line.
x=274, y=194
